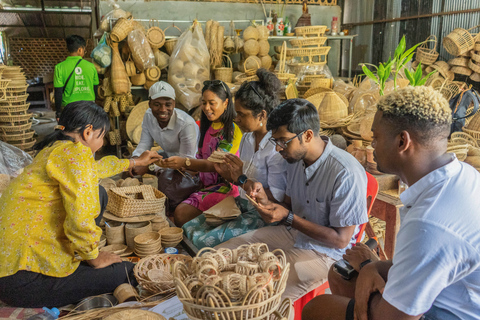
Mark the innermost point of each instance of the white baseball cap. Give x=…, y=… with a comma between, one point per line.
x=161, y=89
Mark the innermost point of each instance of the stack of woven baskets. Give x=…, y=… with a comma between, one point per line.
x=15, y=123
x=465, y=46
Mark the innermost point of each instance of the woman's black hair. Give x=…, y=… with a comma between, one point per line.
x=221, y=90
x=260, y=95
x=75, y=118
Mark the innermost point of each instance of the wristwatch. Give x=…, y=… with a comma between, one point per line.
x=188, y=162
x=364, y=263
x=288, y=219
x=241, y=180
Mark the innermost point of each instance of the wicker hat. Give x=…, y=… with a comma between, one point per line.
x=161, y=89
x=443, y=68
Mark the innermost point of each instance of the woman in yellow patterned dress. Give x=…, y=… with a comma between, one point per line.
x=49, y=214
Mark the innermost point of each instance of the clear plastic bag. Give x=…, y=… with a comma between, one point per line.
x=102, y=54
x=189, y=67
x=115, y=13
x=142, y=53
x=12, y=159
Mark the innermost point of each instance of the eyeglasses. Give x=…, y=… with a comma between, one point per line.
x=215, y=83
x=284, y=144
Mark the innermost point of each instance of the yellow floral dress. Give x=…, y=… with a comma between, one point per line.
x=47, y=213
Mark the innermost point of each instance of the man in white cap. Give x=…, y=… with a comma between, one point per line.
x=172, y=129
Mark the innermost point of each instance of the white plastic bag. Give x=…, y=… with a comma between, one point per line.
x=189, y=67
x=12, y=159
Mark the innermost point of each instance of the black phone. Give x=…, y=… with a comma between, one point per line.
x=343, y=268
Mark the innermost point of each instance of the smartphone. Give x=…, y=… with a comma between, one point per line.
x=343, y=268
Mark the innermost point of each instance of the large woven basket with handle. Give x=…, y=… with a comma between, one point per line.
x=135, y=201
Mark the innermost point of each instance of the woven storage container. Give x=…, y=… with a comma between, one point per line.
x=232, y=284
x=135, y=201
x=153, y=74
x=134, y=229
x=155, y=35
x=308, y=42
x=170, y=43
x=225, y=73
x=315, y=31
x=473, y=66
x=461, y=70
x=115, y=232
x=460, y=41
x=425, y=55
x=147, y=244
x=125, y=292
x=121, y=29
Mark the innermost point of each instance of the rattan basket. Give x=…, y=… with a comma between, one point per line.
x=121, y=29
x=225, y=73
x=463, y=138
x=12, y=127
x=16, y=91
x=475, y=77
x=155, y=35
x=461, y=70
x=308, y=52
x=22, y=136
x=24, y=145
x=170, y=43
x=160, y=280
x=3, y=88
x=250, y=288
x=316, y=31
x=307, y=42
x=22, y=108
x=473, y=66
x=283, y=76
x=425, y=55
x=460, y=41
x=15, y=100
x=153, y=74
x=135, y=201
x=459, y=61
x=15, y=118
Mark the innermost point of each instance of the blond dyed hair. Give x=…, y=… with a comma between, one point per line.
x=422, y=103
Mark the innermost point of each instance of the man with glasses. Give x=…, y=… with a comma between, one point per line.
x=75, y=79
x=325, y=200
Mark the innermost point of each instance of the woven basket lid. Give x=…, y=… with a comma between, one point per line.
x=153, y=74
x=135, y=314
x=330, y=105
x=136, y=117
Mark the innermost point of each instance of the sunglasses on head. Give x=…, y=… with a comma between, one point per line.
x=216, y=83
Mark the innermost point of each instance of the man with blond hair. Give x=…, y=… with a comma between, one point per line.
x=435, y=272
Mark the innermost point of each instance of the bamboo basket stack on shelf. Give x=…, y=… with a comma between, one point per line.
x=15, y=122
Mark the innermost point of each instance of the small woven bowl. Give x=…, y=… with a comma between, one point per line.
x=147, y=238
x=115, y=248
x=171, y=232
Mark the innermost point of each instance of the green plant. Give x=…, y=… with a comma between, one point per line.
x=384, y=70
x=415, y=78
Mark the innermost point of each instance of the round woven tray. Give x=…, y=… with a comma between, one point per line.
x=24, y=145
x=26, y=135
x=9, y=127
x=20, y=108
x=156, y=37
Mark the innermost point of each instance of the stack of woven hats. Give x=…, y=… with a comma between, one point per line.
x=15, y=123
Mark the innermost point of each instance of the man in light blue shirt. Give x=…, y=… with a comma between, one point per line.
x=324, y=203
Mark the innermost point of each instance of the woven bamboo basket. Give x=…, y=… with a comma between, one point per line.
x=115, y=232
x=125, y=292
x=321, y=82
x=135, y=201
x=461, y=70
x=171, y=237
x=475, y=77
x=121, y=29
x=249, y=288
x=160, y=280
x=3, y=88
x=425, y=55
x=130, y=67
x=24, y=145
x=23, y=136
x=463, y=138
x=155, y=35
x=473, y=67
x=134, y=229
x=460, y=41
x=241, y=78
x=12, y=127
x=283, y=76
x=170, y=43
x=157, y=226
x=443, y=68
x=117, y=248
x=21, y=108
x=15, y=100
x=15, y=118
x=252, y=71
x=475, y=56
x=138, y=79
x=459, y=61
x=308, y=52
x=316, y=31
x=225, y=73
x=153, y=74
x=307, y=42
x=147, y=244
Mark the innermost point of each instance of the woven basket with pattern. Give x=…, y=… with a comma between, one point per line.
x=135, y=201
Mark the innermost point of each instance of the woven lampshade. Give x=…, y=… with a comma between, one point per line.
x=330, y=105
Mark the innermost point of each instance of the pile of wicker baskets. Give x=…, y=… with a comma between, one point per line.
x=15, y=123
x=244, y=283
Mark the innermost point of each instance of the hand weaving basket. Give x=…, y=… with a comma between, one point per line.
x=135, y=201
x=244, y=283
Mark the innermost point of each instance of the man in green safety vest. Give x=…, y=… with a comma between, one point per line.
x=75, y=79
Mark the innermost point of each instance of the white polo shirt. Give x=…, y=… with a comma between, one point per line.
x=437, y=255
x=266, y=165
x=178, y=138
